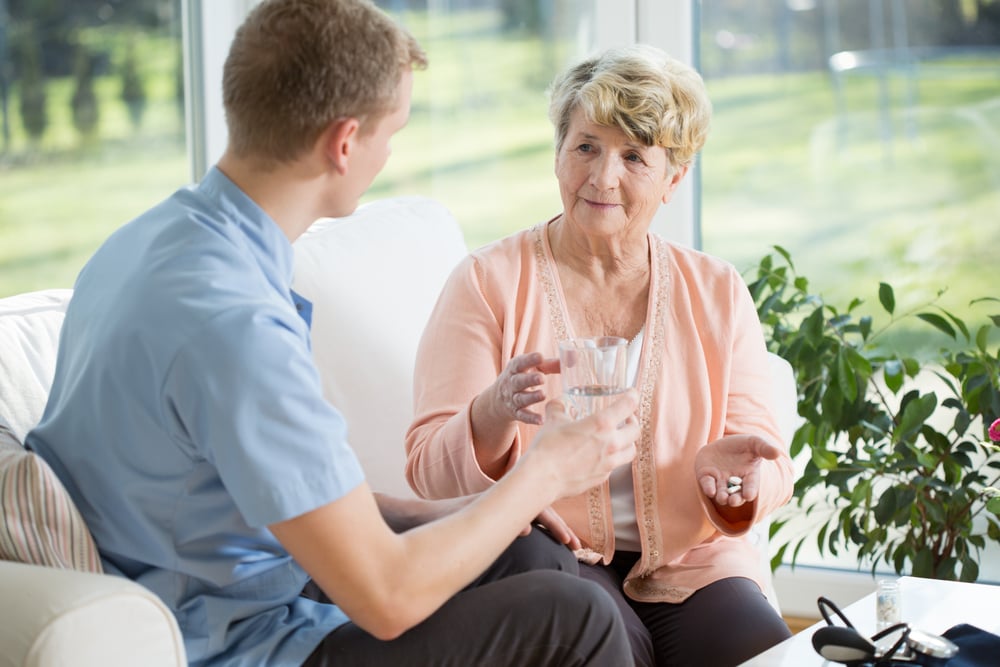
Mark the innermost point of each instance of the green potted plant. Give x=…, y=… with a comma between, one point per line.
x=898, y=462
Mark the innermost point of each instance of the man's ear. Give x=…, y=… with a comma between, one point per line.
x=337, y=142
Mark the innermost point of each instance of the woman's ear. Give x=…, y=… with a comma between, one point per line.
x=337, y=142
x=675, y=180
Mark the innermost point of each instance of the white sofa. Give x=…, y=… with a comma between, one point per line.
x=373, y=278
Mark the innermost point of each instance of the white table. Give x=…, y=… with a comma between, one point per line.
x=928, y=604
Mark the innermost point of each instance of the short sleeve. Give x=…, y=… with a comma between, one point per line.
x=245, y=394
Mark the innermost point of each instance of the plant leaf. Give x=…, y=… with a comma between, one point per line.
x=886, y=297
x=892, y=371
x=958, y=323
x=938, y=322
x=913, y=416
x=778, y=557
x=886, y=506
x=812, y=328
x=784, y=253
x=823, y=459
x=845, y=377
x=865, y=326
x=923, y=563
x=970, y=570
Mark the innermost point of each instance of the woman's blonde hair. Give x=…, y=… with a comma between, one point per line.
x=654, y=99
x=295, y=66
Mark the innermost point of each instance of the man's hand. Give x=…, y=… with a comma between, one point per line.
x=580, y=454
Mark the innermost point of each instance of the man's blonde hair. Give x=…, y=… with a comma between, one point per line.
x=295, y=66
x=653, y=98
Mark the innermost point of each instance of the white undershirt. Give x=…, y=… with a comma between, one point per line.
x=622, y=491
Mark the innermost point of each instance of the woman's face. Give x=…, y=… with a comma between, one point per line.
x=610, y=184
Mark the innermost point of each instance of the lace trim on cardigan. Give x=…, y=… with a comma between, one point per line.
x=595, y=496
x=548, y=284
x=645, y=590
x=651, y=373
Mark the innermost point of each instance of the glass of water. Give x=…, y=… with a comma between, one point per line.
x=594, y=372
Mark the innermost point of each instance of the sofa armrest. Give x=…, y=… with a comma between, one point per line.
x=64, y=617
x=785, y=401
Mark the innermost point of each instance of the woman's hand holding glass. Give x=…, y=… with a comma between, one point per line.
x=733, y=456
x=518, y=387
x=508, y=400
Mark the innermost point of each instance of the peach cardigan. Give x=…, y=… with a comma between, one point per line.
x=703, y=373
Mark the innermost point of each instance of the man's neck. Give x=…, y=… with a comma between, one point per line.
x=285, y=191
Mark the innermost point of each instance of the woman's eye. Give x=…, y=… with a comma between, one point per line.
x=585, y=148
x=633, y=157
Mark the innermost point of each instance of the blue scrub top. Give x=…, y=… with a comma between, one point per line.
x=186, y=415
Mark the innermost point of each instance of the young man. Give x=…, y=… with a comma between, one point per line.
x=186, y=416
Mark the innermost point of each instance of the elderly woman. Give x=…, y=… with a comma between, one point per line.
x=667, y=536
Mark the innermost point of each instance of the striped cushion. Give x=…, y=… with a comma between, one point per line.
x=39, y=523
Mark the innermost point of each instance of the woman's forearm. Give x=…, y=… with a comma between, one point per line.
x=493, y=434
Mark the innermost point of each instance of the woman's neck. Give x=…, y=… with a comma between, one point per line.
x=605, y=285
x=612, y=260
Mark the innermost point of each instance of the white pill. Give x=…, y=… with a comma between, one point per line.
x=735, y=480
x=733, y=488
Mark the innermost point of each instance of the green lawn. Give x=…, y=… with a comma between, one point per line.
x=782, y=166
x=920, y=210
x=61, y=197
x=54, y=215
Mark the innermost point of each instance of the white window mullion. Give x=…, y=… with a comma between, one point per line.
x=208, y=28
x=614, y=23
x=671, y=25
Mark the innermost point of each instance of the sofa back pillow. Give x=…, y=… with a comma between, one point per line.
x=39, y=524
x=373, y=278
x=29, y=339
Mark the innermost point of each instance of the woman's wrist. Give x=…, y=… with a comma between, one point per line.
x=492, y=430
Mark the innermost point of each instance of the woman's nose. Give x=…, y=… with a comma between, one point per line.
x=605, y=172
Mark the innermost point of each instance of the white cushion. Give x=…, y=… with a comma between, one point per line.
x=373, y=278
x=29, y=335
x=785, y=397
x=64, y=617
x=785, y=402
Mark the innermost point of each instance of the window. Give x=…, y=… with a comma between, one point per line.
x=92, y=124
x=863, y=136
